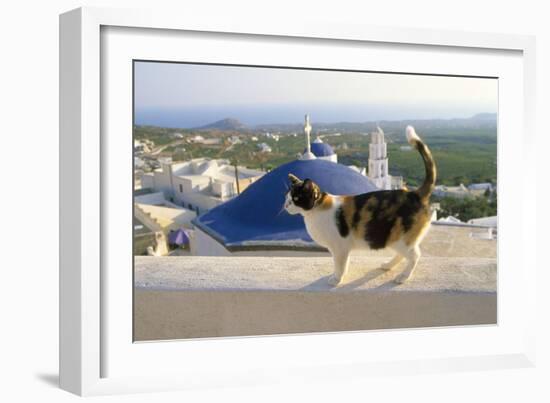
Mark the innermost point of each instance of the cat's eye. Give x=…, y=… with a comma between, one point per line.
x=295, y=198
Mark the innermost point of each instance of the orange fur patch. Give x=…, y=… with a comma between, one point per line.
x=348, y=205
x=396, y=232
x=421, y=221
x=327, y=202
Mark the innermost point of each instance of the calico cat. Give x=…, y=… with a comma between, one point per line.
x=398, y=219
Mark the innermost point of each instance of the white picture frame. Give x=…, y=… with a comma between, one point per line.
x=84, y=346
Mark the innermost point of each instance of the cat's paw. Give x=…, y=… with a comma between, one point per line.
x=334, y=281
x=401, y=278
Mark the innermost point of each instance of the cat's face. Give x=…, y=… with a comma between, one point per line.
x=301, y=196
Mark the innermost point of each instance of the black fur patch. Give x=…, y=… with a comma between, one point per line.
x=383, y=216
x=303, y=194
x=360, y=201
x=341, y=223
x=408, y=210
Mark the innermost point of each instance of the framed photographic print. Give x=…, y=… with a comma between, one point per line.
x=241, y=199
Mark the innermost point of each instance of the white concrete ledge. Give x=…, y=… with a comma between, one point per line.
x=310, y=274
x=191, y=297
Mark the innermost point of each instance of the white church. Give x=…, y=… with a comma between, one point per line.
x=378, y=163
x=378, y=157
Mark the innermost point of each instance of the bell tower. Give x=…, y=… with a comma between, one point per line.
x=378, y=161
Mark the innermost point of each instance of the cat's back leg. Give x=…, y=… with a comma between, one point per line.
x=398, y=258
x=412, y=254
x=408, y=247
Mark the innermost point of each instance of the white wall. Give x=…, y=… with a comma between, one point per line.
x=202, y=244
x=29, y=82
x=151, y=198
x=223, y=189
x=162, y=182
x=148, y=181
x=197, y=199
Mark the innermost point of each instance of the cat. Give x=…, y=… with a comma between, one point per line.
x=397, y=219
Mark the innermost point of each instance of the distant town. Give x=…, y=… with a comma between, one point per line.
x=185, y=177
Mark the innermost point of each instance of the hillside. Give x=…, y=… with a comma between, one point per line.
x=465, y=149
x=227, y=124
x=484, y=121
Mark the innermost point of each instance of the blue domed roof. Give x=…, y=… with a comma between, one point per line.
x=256, y=216
x=321, y=149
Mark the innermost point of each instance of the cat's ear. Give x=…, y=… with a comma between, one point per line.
x=310, y=186
x=294, y=179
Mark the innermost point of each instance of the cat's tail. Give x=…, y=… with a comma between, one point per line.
x=425, y=190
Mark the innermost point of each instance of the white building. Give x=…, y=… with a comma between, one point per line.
x=160, y=217
x=378, y=163
x=199, y=184
x=234, y=140
x=272, y=136
x=197, y=139
x=491, y=223
x=481, y=186
x=450, y=220
x=143, y=146
x=485, y=221
x=458, y=192
x=461, y=191
x=478, y=189
x=264, y=148
x=343, y=146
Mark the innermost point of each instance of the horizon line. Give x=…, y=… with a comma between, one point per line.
x=376, y=121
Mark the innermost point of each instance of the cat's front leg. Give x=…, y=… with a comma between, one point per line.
x=333, y=280
x=341, y=263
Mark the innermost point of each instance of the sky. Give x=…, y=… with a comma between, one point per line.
x=191, y=95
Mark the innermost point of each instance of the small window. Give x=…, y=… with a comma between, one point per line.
x=181, y=188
